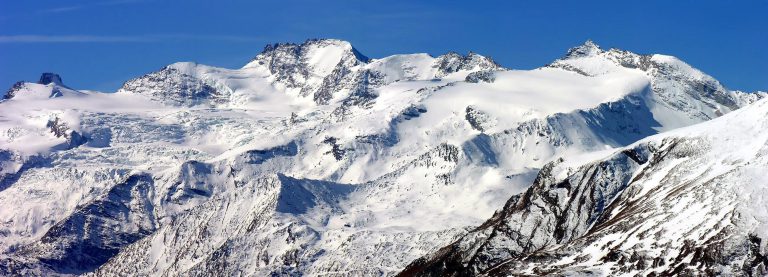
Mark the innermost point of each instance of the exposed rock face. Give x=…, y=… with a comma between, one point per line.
x=13, y=90
x=50, y=78
x=589, y=48
x=477, y=119
x=60, y=129
x=96, y=232
x=171, y=85
x=454, y=62
x=480, y=76
x=539, y=218
x=336, y=150
x=318, y=67
x=362, y=96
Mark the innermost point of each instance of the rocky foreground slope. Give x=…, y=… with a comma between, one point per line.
x=313, y=159
x=689, y=202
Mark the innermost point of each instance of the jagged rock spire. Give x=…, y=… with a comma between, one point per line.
x=452, y=62
x=589, y=48
x=47, y=78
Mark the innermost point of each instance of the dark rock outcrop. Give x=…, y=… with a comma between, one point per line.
x=172, y=86
x=481, y=76
x=48, y=78
x=454, y=62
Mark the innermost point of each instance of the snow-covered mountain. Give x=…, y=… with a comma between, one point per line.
x=312, y=159
x=689, y=202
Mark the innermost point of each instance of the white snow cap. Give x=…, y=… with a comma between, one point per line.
x=315, y=51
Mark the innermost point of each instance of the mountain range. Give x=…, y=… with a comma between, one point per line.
x=313, y=159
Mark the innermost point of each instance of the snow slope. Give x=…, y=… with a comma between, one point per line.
x=312, y=158
x=686, y=202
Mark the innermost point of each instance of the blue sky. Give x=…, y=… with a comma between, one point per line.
x=100, y=44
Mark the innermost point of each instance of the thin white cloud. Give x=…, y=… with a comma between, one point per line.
x=67, y=38
x=72, y=8
x=167, y=37
x=61, y=9
x=118, y=2
x=145, y=38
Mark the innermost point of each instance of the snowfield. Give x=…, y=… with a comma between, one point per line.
x=313, y=159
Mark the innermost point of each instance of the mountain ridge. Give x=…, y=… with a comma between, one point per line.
x=325, y=163
x=725, y=238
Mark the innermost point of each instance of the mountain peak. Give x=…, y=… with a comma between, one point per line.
x=588, y=48
x=342, y=45
x=313, y=66
x=47, y=78
x=591, y=43
x=41, y=89
x=308, y=42
x=452, y=62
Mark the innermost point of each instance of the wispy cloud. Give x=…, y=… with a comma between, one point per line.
x=72, y=8
x=118, y=2
x=230, y=38
x=108, y=39
x=60, y=9
x=66, y=38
